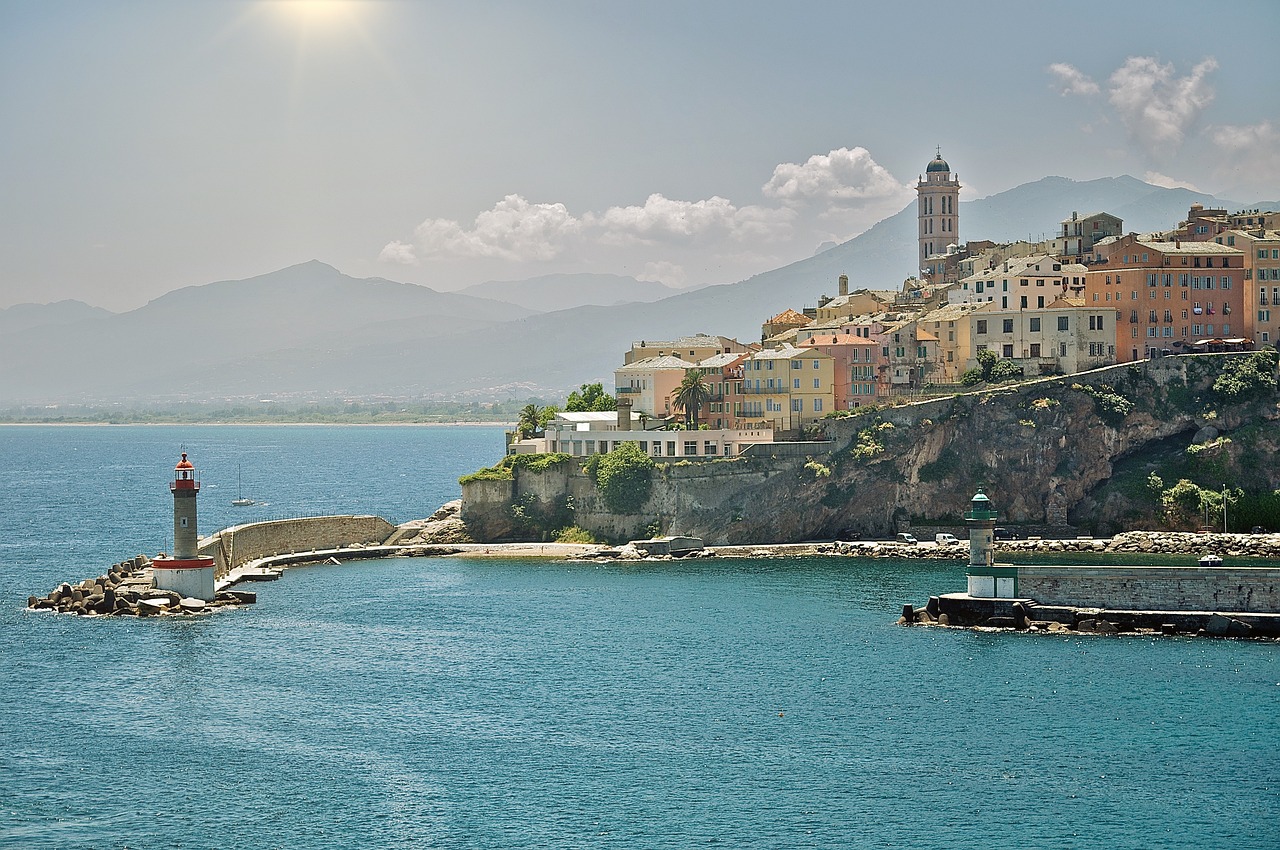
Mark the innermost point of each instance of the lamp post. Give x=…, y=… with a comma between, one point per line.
x=1224, y=509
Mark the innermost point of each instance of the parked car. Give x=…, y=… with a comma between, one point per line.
x=944, y=539
x=1257, y=529
x=909, y=539
x=1005, y=534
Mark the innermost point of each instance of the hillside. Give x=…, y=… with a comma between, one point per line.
x=549, y=293
x=1057, y=456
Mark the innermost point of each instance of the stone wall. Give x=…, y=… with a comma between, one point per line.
x=240, y=544
x=1242, y=589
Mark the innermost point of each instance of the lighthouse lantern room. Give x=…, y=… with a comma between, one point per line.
x=185, y=572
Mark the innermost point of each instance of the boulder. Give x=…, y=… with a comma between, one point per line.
x=1001, y=622
x=944, y=620
x=191, y=605
x=1220, y=625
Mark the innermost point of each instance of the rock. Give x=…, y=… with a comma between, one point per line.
x=191, y=605
x=1087, y=625
x=1001, y=622
x=147, y=607
x=1055, y=626
x=1168, y=629
x=934, y=607
x=1223, y=626
x=944, y=620
x=1019, y=616
x=923, y=616
x=31, y=601
x=1205, y=434
x=1106, y=627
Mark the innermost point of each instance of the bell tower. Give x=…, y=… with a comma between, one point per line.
x=938, y=213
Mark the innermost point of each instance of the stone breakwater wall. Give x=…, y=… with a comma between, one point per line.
x=241, y=544
x=1234, y=589
x=126, y=590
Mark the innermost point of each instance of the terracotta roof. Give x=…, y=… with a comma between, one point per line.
x=788, y=316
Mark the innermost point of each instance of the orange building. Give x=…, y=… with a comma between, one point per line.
x=1168, y=295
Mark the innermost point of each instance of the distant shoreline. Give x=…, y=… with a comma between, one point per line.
x=100, y=424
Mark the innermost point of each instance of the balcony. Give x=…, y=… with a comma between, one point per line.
x=626, y=391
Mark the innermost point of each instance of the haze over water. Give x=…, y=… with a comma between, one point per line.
x=508, y=703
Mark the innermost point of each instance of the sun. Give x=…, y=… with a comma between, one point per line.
x=318, y=13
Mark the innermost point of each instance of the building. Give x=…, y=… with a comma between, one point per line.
x=582, y=434
x=651, y=384
x=691, y=348
x=951, y=327
x=1022, y=282
x=938, y=216
x=785, y=321
x=788, y=388
x=1261, y=249
x=855, y=367
x=1080, y=233
x=1168, y=295
x=1064, y=337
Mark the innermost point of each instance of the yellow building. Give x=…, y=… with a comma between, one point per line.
x=789, y=388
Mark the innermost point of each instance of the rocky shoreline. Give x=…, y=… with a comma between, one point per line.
x=127, y=589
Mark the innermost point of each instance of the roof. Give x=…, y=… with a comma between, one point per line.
x=937, y=164
x=788, y=316
x=1189, y=247
x=695, y=341
x=837, y=339
x=666, y=361
x=923, y=335
x=787, y=352
x=1088, y=216
x=717, y=361
x=587, y=415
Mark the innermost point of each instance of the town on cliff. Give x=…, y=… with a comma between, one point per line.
x=1062, y=324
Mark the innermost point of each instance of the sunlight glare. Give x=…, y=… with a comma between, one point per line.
x=318, y=13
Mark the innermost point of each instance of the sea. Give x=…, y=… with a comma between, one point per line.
x=508, y=703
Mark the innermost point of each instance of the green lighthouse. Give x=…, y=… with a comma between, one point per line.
x=986, y=580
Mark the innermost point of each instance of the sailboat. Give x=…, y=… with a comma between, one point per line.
x=240, y=501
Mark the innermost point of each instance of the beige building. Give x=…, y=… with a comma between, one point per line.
x=1021, y=282
x=789, y=388
x=860, y=303
x=1065, y=337
x=651, y=384
x=691, y=348
x=951, y=328
x=1080, y=233
x=1261, y=249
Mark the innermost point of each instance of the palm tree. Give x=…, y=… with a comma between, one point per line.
x=530, y=421
x=692, y=394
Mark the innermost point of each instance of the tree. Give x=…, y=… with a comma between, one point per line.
x=692, y=394
x=530, y=422
x=590, y=397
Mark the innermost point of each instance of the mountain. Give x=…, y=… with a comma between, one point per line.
x=195, y=339
x=21, y=317
x=565, y=291
x=311, y=330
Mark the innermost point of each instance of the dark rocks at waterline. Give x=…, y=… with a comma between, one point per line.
x=126, y=590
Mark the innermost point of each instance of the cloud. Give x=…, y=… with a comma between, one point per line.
x=663, y=219
x=1155, y=178
x=513, y=230
x=1073, y=81
x=1250, y=154
x=1156, y=106
x=398, y=252
x=663, y=272
x=841, y=177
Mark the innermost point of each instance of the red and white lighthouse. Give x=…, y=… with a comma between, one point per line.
x=185, y=572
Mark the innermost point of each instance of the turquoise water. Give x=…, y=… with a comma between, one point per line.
x=509, y=703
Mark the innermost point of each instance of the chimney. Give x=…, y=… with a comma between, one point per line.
x=624, y=414
x=844, y=284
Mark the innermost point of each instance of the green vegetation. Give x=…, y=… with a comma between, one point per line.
x=504, y=470
x=1109, y=404
x=990, y=369
x=819, y=470
x=574, y=534
x=869, y=441
x=1246, y=378
x=590, y=397
x=624, y=477
x=533, y=420
x=691, y=395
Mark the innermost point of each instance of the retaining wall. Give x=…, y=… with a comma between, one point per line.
x=240, y=544
x=1238, y=589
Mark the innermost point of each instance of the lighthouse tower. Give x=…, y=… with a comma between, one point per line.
x=186, y=572
x=986, y=580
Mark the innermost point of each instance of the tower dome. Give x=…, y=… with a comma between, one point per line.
x=937, y=164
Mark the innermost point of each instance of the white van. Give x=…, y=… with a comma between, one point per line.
x=944, y=539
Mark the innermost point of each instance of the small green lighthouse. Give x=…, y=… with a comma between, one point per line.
x=986, y=580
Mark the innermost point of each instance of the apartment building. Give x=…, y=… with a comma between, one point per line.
x=1063, y=337
x=787, y=388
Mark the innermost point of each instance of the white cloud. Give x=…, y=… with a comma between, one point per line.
x=1155, y=178
x=1247, y=139
x=513, y=230
x=1073, y=81
x=1156, y=106
x=841, y=177
x=663, y=219
x=398, y=252
x=661, y=271
x=1250, y=156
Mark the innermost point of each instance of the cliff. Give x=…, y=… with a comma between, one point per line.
x=1059, y=455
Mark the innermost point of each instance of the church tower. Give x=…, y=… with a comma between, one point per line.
x=939, y=218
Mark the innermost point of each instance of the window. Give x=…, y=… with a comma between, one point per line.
x=817, y=383
x=1040, y=302
x=690, y=447
x=1023, y=300
x=817, y=405
x=796, y=406
x=1035, y=323
x=900, y=351
x=1007, y=326
x=1063, y=323
x=795, y=384
x=1008, y=351
x=815, y=364
x=1035, y=349
x=710, y=448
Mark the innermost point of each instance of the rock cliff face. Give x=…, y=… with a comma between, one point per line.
x=1046, y=451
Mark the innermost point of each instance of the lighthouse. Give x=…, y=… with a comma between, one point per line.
x=986, y=580
x=185, y=572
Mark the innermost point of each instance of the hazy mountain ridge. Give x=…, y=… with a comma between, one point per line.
x=549, y=293
x=22, y=317
x=309, y=329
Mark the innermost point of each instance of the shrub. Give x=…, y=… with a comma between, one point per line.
x=818, y=470
x=1248, y=377
x=624, y=477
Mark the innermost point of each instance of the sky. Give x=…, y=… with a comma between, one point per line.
x=149, y=145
